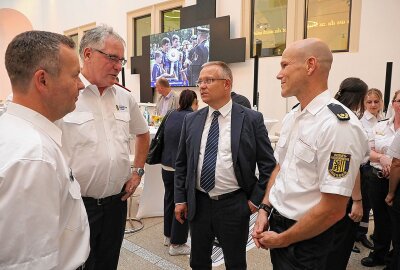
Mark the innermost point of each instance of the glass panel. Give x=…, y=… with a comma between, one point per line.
x=329, y=20
x=142, y=27
x=171, y=20
x=75, y=39
x=269, y=26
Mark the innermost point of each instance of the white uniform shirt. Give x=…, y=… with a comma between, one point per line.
x=382, y=137
x=317, y=153
x=225, y=179
x=394, y=149
x=96, y=138
x=43, y=221
x=369, y=121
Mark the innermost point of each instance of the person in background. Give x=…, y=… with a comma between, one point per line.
x=393, y=200
x=96, y=144
x=175, y=233
x=373, y=104
x=239, y=99
x=216, y=188
x=167, y=100
x=351, y=94
x=43, y=221
x=319, y=153
x=378, y=185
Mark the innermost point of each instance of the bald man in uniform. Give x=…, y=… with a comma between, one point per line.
x=319, y=152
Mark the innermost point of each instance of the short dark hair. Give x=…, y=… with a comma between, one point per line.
x=165, y=41
x=186, y=99
x=32, y=50
x=351, y=94
x=163, y=82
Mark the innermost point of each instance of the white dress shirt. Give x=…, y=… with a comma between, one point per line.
x=382, y=138
x=369, y=121
x=317, y=153
x=225, y=179
x=43, y=221
x=96, y=138
x=394, y=149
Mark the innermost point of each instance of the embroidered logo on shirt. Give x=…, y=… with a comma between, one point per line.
x=339, y=164
x=121, y=107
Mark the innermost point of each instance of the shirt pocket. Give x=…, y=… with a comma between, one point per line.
x=122, y=123
x=80, y=128
x=75, y=219
x=306, y=164
x=280, y=149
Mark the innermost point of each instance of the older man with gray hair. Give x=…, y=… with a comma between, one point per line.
x=96, y=144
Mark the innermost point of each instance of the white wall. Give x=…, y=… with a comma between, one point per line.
x=379, y=42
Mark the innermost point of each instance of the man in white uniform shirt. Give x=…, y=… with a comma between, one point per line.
x=96, y=144
x=319, y=153
x=167, y=100
x=43, y=222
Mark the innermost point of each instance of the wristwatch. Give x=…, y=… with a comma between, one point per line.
x=265, y=207
x=138, y=171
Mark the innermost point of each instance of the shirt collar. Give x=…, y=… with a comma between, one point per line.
x=93, y=87
x=37, y=120
x=169, y=95
x=318, y=102
x=224, y=110
x=368, y=115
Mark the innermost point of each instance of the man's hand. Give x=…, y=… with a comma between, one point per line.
x=272, y=239
x=181, y=212
x=252, y=207
x=389, y=198
x=356, y=213
x=260, y=226
x=131, y=185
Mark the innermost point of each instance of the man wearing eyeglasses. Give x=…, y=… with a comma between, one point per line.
x=96, y=144
x=216, y=188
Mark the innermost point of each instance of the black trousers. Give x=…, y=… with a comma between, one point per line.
x=226, y=219
x=363, y=227
x=343, y=241
x=378, y=189
x=107, y=228
x=309, y=254
x=394, y=212
x=172, y=228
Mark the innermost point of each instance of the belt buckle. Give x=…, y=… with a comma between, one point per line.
x=100, y=202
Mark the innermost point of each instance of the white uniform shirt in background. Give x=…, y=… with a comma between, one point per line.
x=225, y=178
x=311, y=142
x=96, y=136
x=394, y=149
x=382, y=137
x=369, y=121
x=43, y=222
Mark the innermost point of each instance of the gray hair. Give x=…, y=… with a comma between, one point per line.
x=33, y=50
x=226, y=70
x=95, y=38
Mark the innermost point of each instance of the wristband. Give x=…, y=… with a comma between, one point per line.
x=265, y=207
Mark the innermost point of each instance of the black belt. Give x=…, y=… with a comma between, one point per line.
x=279, y=218
x=223, y=196
x=103, y=201
x=378, y=173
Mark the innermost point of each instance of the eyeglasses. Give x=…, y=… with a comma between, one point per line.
x=396, y=100
x=113, y=58
x=208, y=81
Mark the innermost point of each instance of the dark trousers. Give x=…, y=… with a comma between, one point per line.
x=309, y=254
x=363, y=227
x=226, y=219
x=107, y=227
x=378, y=189
x=343, y=241
x=172, y=228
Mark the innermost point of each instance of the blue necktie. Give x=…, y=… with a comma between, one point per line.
x=207, y=178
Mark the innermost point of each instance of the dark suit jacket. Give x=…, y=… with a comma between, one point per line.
x=250, y=145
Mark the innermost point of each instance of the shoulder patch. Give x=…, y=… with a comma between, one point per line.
x=339, y=111
x=339, y=164
x=295, y=105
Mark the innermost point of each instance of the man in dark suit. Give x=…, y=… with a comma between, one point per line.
x=216, y=188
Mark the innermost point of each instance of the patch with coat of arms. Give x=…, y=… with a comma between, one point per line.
x=339, y=164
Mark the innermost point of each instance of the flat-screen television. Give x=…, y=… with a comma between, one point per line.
x=179, y=55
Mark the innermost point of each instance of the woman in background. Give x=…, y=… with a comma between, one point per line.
x=175, y=233
x=351, y=94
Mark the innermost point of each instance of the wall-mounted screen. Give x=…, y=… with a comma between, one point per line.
x=179, y=55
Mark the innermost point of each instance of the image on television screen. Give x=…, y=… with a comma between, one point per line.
x=179, y=55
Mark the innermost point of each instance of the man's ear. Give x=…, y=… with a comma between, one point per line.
x=87, y=53
x=41, y=80
x=311, y=63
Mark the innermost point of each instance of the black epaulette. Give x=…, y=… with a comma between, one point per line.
x=295, y=105
x=339, y=111
x=383, y=120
